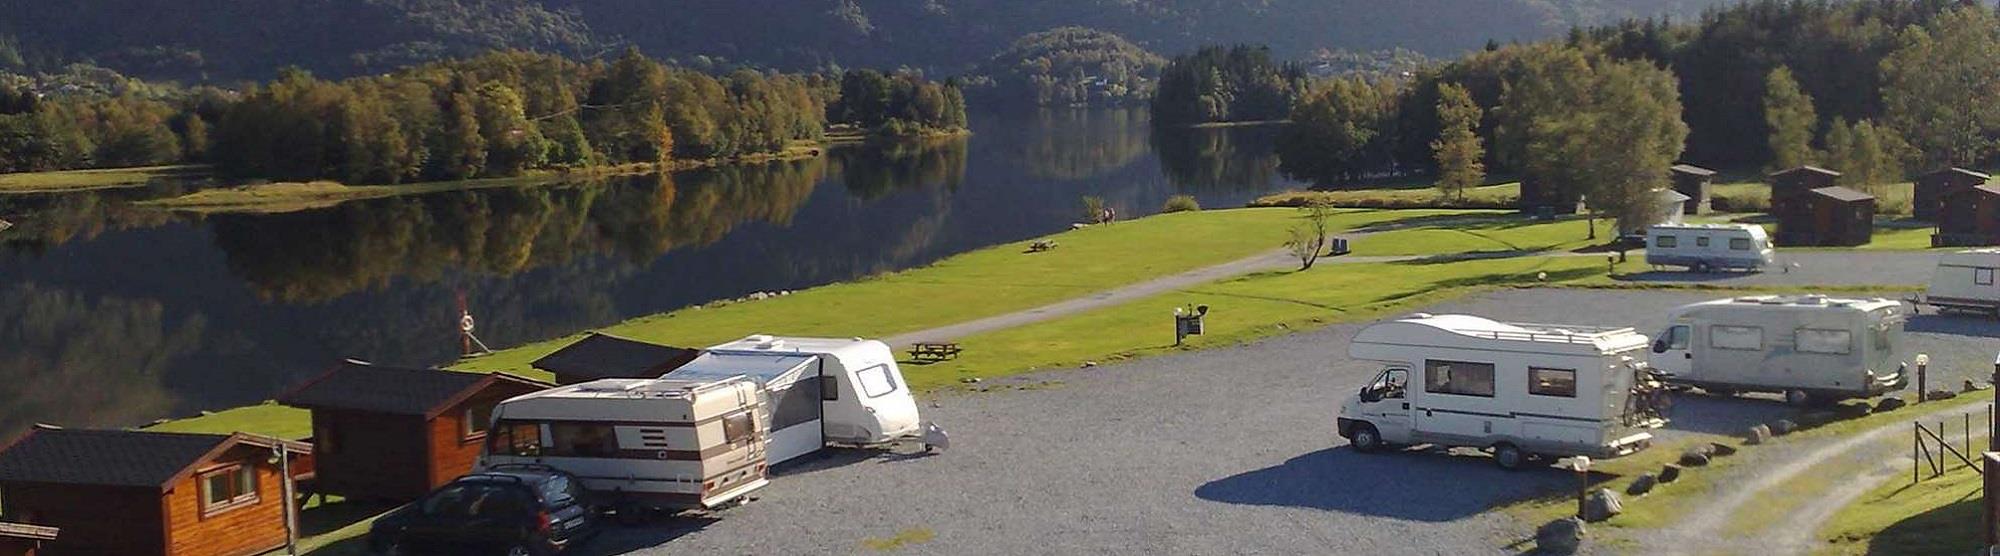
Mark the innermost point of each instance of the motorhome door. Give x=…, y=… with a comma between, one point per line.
x=1673, y=350
x=1385, y=403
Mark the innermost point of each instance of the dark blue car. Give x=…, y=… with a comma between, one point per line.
x=512, y=511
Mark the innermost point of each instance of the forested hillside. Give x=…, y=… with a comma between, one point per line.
x=1071, y=66
x=221, y=40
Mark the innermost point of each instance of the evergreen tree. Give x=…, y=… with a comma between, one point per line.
x=1458, y=149
x=1788, y=113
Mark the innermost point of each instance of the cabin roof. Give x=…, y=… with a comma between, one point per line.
x=1692, y=170
x=1807, y=169
x=600, y=355
x=114, y=457
x=1982, y=176
x=1670, y=196
x=13, y=530
x=1843, y=194
x=360, y=386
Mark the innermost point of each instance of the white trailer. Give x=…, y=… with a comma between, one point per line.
x=820, y=390
x=1519, y=390
x=1709, y=247
x=1810, y=348
x=665, y=444
x=1964, y=281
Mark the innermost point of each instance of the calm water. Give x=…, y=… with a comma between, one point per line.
x=111, y=315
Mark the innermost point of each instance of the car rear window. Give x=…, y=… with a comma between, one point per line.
x=476, y=499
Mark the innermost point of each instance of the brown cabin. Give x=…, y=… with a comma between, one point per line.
x=1828, y=216
x=605, y=356
x=1694, y=182
x=1968, y=217
x=21, y=539
x=1933, y=188
x=1535, y=198
x=394, y=434
x=1793, y=184
x=140, y=492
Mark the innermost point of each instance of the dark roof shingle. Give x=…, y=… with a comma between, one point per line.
x=364, y=387
x=104, y=457
x=606, y=356
x=1842, y=194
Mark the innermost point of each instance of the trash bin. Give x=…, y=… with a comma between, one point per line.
x=1340, y=246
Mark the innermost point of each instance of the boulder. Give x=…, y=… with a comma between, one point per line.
x=1935, y=395
x=1721, y=450
x=1694, y=458
x=1562, y=536
x=1642, y=485
x=1669, y=473
x=1817, y=418
x=1972, y=386
x=1891, y=403
x=1783, y=427
x=1758, y=434
x=1600, y=505
x=1853, y=410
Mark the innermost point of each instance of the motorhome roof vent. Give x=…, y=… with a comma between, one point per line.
x=759, y=338
x=768, y=342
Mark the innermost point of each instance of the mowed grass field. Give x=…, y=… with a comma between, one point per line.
x=81, y=180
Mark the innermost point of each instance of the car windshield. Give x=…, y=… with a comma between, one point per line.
x=476, y=500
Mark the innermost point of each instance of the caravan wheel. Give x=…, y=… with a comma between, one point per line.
x=1366, y=439
x=1508, y=457
x=1798, y=398
x=1703, y=268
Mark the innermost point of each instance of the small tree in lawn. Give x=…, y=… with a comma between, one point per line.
x=1309, y=239
x=1458, y=148
x=1093, y=209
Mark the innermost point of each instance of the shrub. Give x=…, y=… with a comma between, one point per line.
x=1181, y=203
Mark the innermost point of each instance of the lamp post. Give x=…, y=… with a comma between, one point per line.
x=1923, y=383
x=1582, y=466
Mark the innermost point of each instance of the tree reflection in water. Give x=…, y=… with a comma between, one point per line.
x=1199, y=160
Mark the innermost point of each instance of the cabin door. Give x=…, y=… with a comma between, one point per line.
x=1673, y=351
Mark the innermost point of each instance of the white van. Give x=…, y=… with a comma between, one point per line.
x=820, y=390
x=1709, y=247
x=1810, y=348
x=1965, y=281
x=667, y=444
x=1518, y=390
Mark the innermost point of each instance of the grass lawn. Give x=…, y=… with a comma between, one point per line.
x=1755, y=196
x=1506, y=231
x=268, y=418
x=1940, y=515
x=1891, y=234
x=79, y=180
x=1410, y=196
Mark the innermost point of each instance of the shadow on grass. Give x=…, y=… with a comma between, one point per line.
x=1949, y=529
x=1416, y=485
x=1724, y=415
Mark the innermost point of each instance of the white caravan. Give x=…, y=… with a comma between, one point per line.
x=1518, y=390
x=668, y=444
x=1964, y=281
x=1709, y=247
x=1810, y=348
x=820, y=390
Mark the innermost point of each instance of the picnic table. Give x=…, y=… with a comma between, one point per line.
x=934, y=351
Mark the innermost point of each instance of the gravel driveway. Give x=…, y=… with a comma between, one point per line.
x=1225, y=451
x=1833, y=268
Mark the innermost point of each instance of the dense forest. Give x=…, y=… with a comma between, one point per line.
x=1072, y=66
x=224, y=40
x=1227, y=84
x=495, y=115
x=1877, y=89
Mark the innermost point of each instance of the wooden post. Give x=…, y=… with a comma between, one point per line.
x=1991, y=526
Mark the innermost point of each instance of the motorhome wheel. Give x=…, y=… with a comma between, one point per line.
x=1507, y=456
x=1798, y=397
x=1366, y=439
x=1703, y=267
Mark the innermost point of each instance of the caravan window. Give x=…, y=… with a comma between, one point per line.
x=736, y=427
x=515, y=438
x=582, y=440
x=1458, y=378
x=1739, y=244
x=1982, y=276
x=1552, y=382
x=1701, y=241
x=875, y=381
x=1736, y=337
x=1815, y=340
x=1666, y=241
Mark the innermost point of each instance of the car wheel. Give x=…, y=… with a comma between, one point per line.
x=1703, y=268
x=1366, y=439
x=1508, y=457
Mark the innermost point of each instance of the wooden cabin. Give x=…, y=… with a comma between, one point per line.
x=141, y=493
x=1933, y=188
x=1536, y=198
x=394, y=434
x=1695, y=182
x=1968, y=217
x=1828, y=216
x=605, y=356
x=1793, y=184
x=21, y=539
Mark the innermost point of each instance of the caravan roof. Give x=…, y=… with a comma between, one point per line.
x=1804, y=302
x=626, y=388
x=1473, y=331
x=764, y=367
x=1988, y=257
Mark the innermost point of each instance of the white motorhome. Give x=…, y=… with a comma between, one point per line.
x=1964, y=281
x=1810, y=348
x=668, y=444
x=1519, y=390
x=1709, y=247
x=820, y=390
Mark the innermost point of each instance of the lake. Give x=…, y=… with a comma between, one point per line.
x=112, y=315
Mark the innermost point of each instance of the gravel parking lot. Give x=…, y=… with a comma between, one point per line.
x=1831, y=268
x=1225, y=451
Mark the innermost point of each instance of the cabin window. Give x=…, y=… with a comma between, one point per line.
x=228, y=488
x=736, y=428
x=477, y=418
x=1666, y=241
x=1739, y=244
x=1736, y=337
x=514, y=438
x=1701, y=241
x=1815, y=340
x=582, y=440
x=1560, y=383
x=875, y=381
x=1458, y=378
x=1982, y=276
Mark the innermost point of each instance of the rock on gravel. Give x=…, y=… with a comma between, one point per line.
x=1783, y=427
x=1562, y=536
x=1890, y=404
x=1757, y=434
x=1669, y=473
x=1643, y=484
x=1693, y=458
x=1600, y=505
x=1718, y=449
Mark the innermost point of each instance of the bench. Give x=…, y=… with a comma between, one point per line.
x=934, y=351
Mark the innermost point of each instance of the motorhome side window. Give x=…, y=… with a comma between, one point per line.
x=1552, y=382
x=1666, y=241
x=1458, y=378
x=1739, y=244
x=875, y=381
x=1814, y=340
x=1736, y=337
x=1701, y=241
x=736, y=428
x=513, y=438
x=1982, y=276
x=582, y=440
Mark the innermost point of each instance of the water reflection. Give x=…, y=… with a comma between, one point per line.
x=1217, y=159
x=871, y=171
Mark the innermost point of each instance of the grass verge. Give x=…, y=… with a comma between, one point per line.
x=1498, y=196
x=1940, y=515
